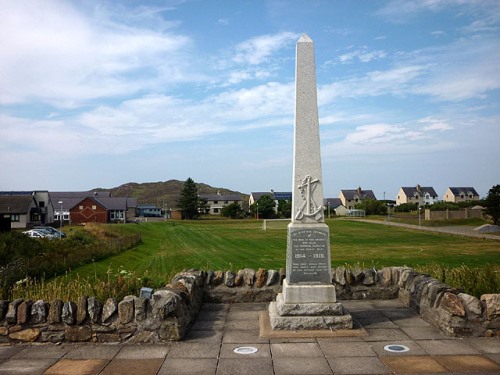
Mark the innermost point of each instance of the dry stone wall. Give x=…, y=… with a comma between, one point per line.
x=171, y=311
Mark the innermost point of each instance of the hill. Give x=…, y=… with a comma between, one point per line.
x=164, y=193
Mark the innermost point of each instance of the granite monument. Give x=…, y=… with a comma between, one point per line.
x=308, y=299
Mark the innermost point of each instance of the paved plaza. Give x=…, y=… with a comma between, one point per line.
x=221, y=328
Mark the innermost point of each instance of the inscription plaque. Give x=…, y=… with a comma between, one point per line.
x=309, y=255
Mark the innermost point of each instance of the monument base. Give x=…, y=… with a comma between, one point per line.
x=308, y=307
x=308, y=293
x=309, y=322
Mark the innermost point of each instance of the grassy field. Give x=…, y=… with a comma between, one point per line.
x=169, y=247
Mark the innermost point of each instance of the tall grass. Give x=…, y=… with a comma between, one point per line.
x=472, y=280
x=117, y=283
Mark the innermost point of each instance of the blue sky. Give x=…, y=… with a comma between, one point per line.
x=101, y=93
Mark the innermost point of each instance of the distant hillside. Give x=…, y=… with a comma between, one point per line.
x=167, y=192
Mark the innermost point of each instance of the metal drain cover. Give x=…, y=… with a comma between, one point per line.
x=396, y=348
x=245, y=350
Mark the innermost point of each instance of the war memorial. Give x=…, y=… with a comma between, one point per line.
x=287, y=321
x=308, y=300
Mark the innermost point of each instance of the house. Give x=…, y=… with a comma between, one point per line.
x=419, y=195
x=335, y=205
x=350, y=198
x=79, y=207
x=215, y=202
x=460, y=194
x=26, y=209
x=277, y=196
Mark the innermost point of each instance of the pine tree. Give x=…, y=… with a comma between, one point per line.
x=189, y=201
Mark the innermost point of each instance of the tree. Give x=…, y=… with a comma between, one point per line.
x=285, y=209
x=372, y=207
x=492, y=203
x=189, y=201
x=233, y=210
x=265, y=207
x=406, y=207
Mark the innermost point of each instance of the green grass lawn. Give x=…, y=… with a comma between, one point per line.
x=169, y=247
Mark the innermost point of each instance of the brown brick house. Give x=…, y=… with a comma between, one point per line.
x=88, y=210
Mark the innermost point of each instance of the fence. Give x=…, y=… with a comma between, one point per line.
x=466, y=213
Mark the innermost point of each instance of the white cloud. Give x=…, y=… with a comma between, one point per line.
x=363, y=55
x=435, y=124
x=259, y=49
x=395, y=81
x=57, y=54
x=464, y=70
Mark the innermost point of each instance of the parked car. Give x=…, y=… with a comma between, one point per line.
x=33, y=233
x=53, y=231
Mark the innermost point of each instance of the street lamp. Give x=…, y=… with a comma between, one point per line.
x=328, y=203
x=257, y=210
x=60, y=219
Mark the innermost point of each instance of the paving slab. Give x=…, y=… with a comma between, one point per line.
x=204, y=336
x=227, y=351
x=26, y=366
x=248, y=324
x=423, y=333
x=243, y=315
x=354, y=306
x=486, y=345
x=43, y=351
x=288, y=350
x=447, y=347
x=208, y=325
x=133, y=366
x=10, y=351
x=194, y=350
x=376, y=323
x=346, y=349
x=385, y=334
x=231, y=366
x=249, y=307
x=413, y=365
x=215, y=307
x=301, y=365
x=101, y=351
x=386, y=304
x=468, y=363
x=494, y=357
x=77, y=367
x=212, y=315
x=357, y=365
x=284, y=340
x=143, y=352
x=191, y=366
x=243, y=337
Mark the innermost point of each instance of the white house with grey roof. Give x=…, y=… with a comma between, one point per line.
x=460, y=194
x=216, y=202
x=351, y=197
x=277, y=196
x=423, y=195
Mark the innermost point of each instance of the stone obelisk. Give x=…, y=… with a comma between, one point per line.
x=308, y=300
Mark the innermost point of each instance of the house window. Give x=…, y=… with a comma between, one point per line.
x=81, y=208
x=216, y=202
x=216, y=210
x=66, y=216
x=14, y=218
x=94, y=207
x=226, y=202
x=41, y=204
